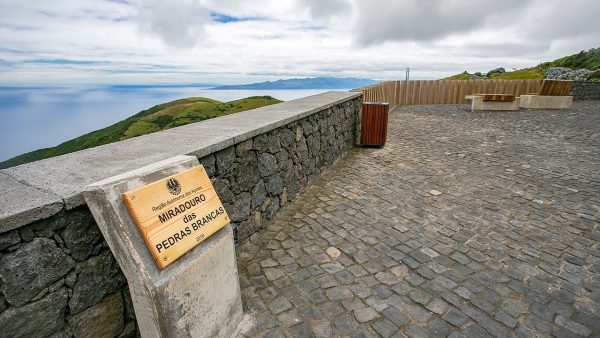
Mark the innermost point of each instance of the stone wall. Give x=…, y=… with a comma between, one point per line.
x=59, y=278
x=256, y=177
x=585, y=91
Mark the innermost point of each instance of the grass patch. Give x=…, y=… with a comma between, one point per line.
x=160, y=117
x=461, y=76
x=589, y=59
x=520, y=74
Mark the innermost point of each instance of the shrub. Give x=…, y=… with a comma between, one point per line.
x=563, y=73
x=499, y=70
x=593, y=76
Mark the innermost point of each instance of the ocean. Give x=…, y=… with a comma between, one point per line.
x=37, y=117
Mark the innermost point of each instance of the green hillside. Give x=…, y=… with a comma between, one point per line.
x=588, y=60
x=160, y=117
x=535, y=73
x=461, y=76
x=583, y=60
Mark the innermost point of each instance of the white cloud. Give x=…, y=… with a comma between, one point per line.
x=145, y=41
x=178, y=23
x=326, y=9
x=418, y=20
x=268, y=9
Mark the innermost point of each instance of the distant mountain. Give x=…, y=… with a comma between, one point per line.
x=160, y=117
x=589, y=60
x=306, y=83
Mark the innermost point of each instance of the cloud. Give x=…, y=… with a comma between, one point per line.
x=564, y=26
x=325, y=9
x=232, y=41
x=489, y=49
x=177, y=23
x=425, y=20
x=223, y=18
x=273, y=9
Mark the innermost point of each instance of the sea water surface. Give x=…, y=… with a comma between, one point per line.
x=39, y=117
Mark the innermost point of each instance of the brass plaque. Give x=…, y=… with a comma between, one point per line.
x=176, y=213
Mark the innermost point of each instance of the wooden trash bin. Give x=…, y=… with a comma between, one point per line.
x=373, y=123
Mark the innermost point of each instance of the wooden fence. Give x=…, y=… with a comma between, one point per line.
x=443, y=91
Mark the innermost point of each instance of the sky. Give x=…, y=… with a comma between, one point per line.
x=228, y=41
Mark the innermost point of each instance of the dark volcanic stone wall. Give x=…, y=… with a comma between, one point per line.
x=59, y=278
x=585, y=91
x=256, y=177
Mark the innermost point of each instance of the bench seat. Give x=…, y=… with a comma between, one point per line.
x=493, y=102
x=497, y=97
x=546, y=102
x=553, y=94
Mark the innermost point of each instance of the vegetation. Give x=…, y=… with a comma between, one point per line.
x=595, y=76
x=534, y=73
x=583, y=60
x=588, y=60
x=496, y=71
x=462, y=76
x=160, y=117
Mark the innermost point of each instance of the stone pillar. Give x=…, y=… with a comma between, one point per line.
x=196, y=296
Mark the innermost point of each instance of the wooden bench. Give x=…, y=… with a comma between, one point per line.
x=497, y=97
x=555, y=88
x=553, y=94
x=481, y=102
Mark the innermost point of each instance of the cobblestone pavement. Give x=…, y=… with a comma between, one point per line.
x=509, y=247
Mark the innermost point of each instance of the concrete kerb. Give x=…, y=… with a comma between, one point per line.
x=39, y=204
x=199, y=294
x=60, y=180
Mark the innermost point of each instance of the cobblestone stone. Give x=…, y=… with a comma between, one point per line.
x=574, y=327
x=511, y=246
x=456, y=318
x=321, y=329
x=438, y=306
x=365, y=314
x=439, y=328
x=385, y=328
x=279, y=305
x=299, y=330
x=505, y=319
x=339, y=293
x=395, y=315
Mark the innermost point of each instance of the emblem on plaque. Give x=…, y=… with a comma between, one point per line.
x=174, y=186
